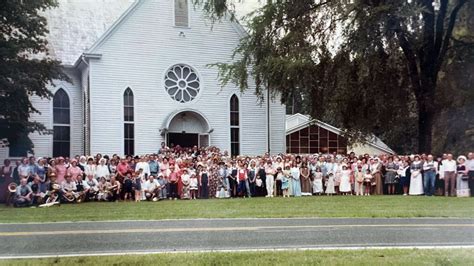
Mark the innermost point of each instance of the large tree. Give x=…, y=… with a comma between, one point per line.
x=369, y=66
x=26, y=69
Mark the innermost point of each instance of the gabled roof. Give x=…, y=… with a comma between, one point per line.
x=297, y=122
x=115, y=26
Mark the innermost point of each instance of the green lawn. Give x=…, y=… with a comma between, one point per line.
x=336, y=206
x=323, y=257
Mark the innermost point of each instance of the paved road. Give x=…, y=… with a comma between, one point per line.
x=79, y=238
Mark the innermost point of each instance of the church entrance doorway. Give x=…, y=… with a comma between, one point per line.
x=185, y=140
x=187, y=129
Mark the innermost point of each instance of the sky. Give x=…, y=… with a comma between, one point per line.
x=246, y=6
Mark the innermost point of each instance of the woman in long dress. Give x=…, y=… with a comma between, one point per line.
x=416, y=181
x=345, y=185
x=462, y=178
x=295, y=176
x=305, y=180
x=5, y=179
x=390, y=175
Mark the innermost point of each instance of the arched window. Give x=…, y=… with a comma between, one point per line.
x=129, y=126
x=61, y=124
x=181, y=18
x=234, y=126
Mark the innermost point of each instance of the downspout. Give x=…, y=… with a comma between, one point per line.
x=268, y=120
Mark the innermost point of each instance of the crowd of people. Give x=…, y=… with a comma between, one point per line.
x=202, y=173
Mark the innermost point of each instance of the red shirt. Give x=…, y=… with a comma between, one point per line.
x=242, y=173
x=122, y=168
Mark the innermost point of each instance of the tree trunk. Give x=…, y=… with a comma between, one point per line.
x=425, y=129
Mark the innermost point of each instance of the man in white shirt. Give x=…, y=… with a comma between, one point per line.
x=449, y=168
x=143, y=164
x=151, y=189
x=429, y=172
x=470, y=169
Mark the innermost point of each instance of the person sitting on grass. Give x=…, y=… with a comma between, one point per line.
x=91, y=188
x=151, y=189
x=24, y=194
x=114, y=188
x=68, y=190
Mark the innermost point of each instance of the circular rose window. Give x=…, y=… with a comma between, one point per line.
x=182, y=83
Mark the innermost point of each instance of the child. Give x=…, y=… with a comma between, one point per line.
x=193, y=186
x=285, y=183
x=318, y=182
x=367, y=182
x=128, y=186
x=330, y=190
x=137, y=187
x=185, y=179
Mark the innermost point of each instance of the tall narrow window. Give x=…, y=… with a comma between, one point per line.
x=234, y=126
x=129, y=126
x=61, y=124
x=181, y=13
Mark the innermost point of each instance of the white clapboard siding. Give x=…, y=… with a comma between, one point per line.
x=43, y=143
x=139, y=52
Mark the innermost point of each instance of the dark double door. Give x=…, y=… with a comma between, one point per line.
x=185, y=140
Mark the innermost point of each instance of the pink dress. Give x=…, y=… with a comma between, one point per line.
x=75, y=172
x=60, y=172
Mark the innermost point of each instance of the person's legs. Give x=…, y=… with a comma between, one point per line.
x=446, y=183
x=471, y=182
x=453, y=183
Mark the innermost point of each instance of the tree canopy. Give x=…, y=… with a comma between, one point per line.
x=25, y=69
x=367, y=66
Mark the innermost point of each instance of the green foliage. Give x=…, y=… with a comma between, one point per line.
x=365, y=66
x=25, y=69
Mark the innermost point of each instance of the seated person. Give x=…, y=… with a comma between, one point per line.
x=103, y=193
x=68, y=190
x=113, y=189
x=151, y=189
x=37, y=195
x=24, y=194
x=91, y=188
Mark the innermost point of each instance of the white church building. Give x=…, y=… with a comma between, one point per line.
x=140, y=76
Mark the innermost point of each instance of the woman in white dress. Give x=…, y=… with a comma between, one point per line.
x=416, y=181
x=102, y=170
x=318, y=181
x=345, y=185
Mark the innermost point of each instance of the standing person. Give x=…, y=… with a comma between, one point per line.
x=330, y=190
x=173, y=183
x=449, y=169
x=41, y=172
x=391, y=175
x=318, y=181
x=153, y=165
x=193, y=186
x=252, y=174
x=6, y=172
x=102, y=170
x=359, y=180
x=345, y=185
x=295, y=176
x=204, y=182
x=430, y=167
x=404, y=173
x=376, y=169
x=470, y=171
x=270, y=178
x=242, y=177
x=61, y=170
x=232, y=178
x=368, y=182
x=462, y=179
x=74, y=171
x=305, y=180
x=416, y=180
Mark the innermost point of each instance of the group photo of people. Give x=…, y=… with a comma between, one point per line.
x=202, y=173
